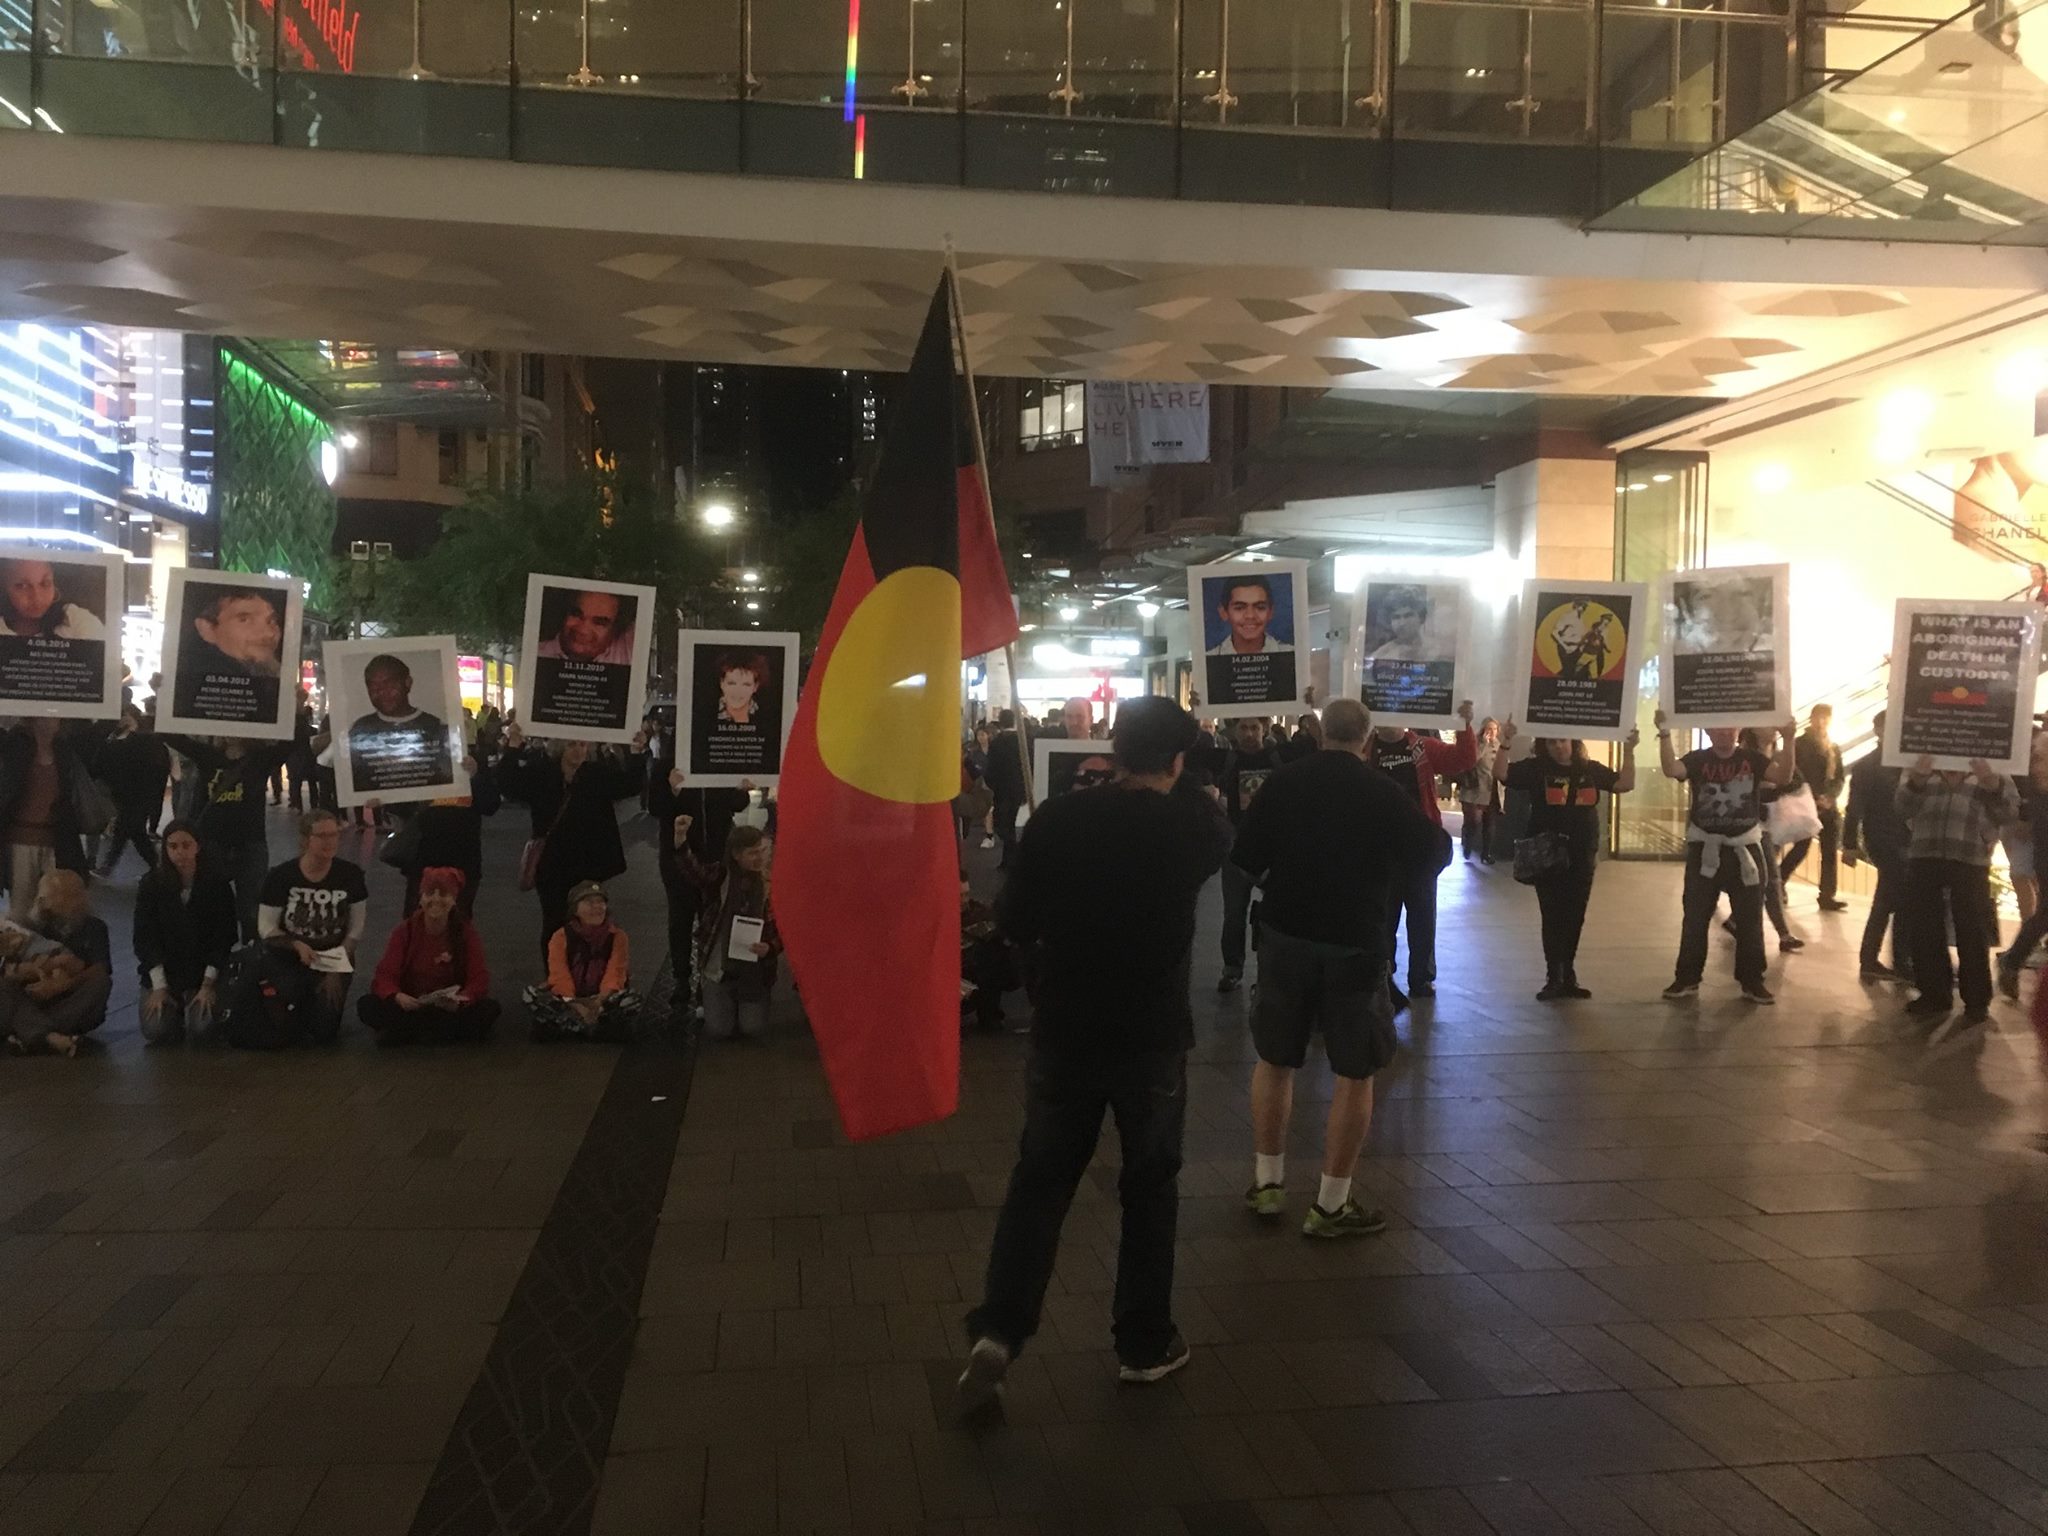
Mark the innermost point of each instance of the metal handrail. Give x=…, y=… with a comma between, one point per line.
x=1375, y=112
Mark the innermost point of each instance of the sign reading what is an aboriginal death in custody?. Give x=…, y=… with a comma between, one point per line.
x=1962, y=684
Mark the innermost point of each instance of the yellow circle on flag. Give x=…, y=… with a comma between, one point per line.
x=889, y=703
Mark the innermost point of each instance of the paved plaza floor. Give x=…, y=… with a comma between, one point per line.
x=1650, y=1268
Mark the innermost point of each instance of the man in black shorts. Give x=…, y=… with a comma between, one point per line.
x=1331, y=836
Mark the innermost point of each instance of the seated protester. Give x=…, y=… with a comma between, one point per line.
x=432, y=983
x=736, y=990
x=588, y=992
x=310, y=919
x=56, y=992
x=185, y=927
x=986, y=969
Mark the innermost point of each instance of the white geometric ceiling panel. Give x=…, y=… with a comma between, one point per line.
x=820, y=293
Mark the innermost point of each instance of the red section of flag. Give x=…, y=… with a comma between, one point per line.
x=867, y=898
x=988, y=618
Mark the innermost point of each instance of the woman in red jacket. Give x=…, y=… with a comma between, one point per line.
x=432, y=983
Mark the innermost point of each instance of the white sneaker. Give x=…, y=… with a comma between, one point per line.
x=987, y=1363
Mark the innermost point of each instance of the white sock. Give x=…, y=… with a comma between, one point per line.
x=1269, y=1170
x=1333, y=1194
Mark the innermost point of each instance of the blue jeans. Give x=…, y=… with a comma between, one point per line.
x=1063, y=1106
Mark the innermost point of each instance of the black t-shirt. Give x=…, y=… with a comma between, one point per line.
x=1104, y=884
x=1563, y=798
x=1399, y=760
x=1244, y=774
x=316, y=912
x=1329, y=833
x=1727, y=792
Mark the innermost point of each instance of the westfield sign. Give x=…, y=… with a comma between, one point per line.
x=318, y=34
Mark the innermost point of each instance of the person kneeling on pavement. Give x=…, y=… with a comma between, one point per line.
x=433, y=983
x=56, y=983
x=185, y=930
x=310, y=918
x=738, y=974
x=588, y=993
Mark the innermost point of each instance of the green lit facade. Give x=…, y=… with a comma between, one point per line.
x=276, y=507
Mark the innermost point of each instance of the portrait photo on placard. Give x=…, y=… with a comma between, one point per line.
x=1727, y=646
x=1246, y=617
x=735, y=701
x=396, y=707
x=60, y=632
x=231, y=653
x=1061, y=767
x=1408, y=666
x=1584, y=643
x=585, y=657
x=1962, y=684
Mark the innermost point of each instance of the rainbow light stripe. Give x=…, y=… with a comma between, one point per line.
x=852, y=52
x=860, y=147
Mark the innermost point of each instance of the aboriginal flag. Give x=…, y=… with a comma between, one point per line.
x=867, y=882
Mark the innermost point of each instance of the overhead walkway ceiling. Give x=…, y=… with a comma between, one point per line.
x=424, y=252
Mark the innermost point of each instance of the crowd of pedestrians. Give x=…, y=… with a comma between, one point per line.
x=1327, y=839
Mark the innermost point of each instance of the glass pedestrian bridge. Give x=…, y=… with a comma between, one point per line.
x=1943, y=140
x=1555, y=107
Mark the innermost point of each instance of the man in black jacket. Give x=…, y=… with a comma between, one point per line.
x=1244, y=769
x=1335, y=839
x=1819, y=762
x=1874, y=829
x=1006, y=779
x=1105, y=885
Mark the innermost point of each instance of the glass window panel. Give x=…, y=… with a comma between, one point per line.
x=1457, y=68
x=910, y=53
x=654, y=47
x=1560, y=50
x=1076, y=407
x=1027, y=422
x=1017, y=52
x=799, y=49
x=1291, y=63
x=1123, y=58
x=156, y=29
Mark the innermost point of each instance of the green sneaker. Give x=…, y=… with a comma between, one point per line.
x=1268, y=1200
x=1352, y=1221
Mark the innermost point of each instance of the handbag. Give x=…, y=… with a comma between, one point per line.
x=401, y=850
x=1544, y=854
x=1793, y=817
x=530, y=855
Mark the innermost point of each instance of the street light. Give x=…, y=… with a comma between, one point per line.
x=751, y=578
x=717, y=515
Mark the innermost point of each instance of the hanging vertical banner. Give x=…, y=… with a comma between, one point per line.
x=1133, y=425
x=1585, y=645
x=1728, y=646
x=1962, y=684
x=1408, y=666
x=1246, y=618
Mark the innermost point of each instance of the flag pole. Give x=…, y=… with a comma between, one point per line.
x=988, y=489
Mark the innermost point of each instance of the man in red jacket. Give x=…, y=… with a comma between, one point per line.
x=1414, y=762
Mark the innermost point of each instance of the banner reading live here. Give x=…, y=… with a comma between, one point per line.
x=1962, y=684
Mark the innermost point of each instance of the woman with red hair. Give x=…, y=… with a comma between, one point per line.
x=432, y=984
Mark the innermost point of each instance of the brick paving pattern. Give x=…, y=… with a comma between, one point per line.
x=1650, y=1268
